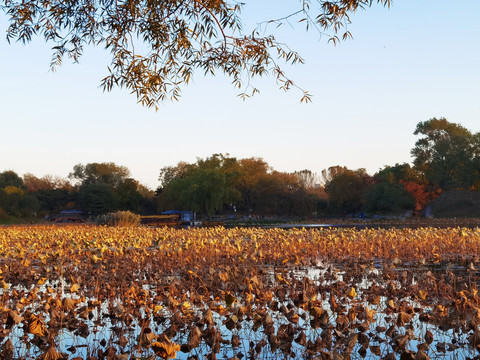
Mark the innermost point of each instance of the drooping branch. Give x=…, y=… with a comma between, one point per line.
x=157, y=45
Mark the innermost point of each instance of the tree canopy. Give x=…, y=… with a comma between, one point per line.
x=223, y=183
x=106, y=173
x=448, y=154
x=156, y=46
x=346, y=189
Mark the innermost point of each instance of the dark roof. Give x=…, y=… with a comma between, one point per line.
x=172, y=212
x=71, y=212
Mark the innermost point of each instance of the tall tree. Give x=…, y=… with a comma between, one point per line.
x=331, y=172
x=132, y=195
x=251, y=172
x=205, y=186
x=387, y=197
x=10, y=178
x=307, y=178
x=448, y=154
x=399, y=172
x=16, y=202
x=97, y=198
x=168, y=173
x=105, y=173
x=346, y=190
x=157, y=45
x=413, y=180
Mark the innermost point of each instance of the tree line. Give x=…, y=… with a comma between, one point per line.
x=445, y=157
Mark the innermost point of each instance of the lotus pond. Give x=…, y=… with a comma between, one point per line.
x=87, y=292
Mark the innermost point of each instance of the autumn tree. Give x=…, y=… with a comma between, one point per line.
x=448, y=154
x=282, y=193
x=251, y=172
x=54, y=193
x=156, y=46
x=331, y=172
x=47, y=182
x=307, y=178
x=414, y=182
x=221, y=182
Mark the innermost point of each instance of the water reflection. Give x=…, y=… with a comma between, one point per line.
x=338, y=311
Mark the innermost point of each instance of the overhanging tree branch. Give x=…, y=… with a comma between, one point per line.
x=157, y=45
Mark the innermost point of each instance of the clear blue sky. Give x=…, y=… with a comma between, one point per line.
x=418, y=60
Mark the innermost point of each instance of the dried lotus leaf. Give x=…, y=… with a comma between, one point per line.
x=352, y=293
x=13, y=318
x=421, y=356
x=51, y=354
x=69, y=304
x=403, y=318
x=165, y=349
x=36, y=326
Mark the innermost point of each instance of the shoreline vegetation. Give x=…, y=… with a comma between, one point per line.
x=413, y=222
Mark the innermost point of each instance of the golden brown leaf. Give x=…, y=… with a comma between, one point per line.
x=403, y=318
x=352, y=293
x=74, y=288
x=51, y=354
x=36, y=326
x=165, y=349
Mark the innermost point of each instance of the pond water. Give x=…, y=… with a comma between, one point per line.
x=394, y=310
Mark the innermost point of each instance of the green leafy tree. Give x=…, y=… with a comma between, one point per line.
x=10, y=178
x=388, y=198
x=16, y=202
x=156, y=46
x=200, y=190
x=29, y=206
x=346, y=190
x=400, y=173
x=169, y=173
x=447, y=153
x=97, y=199
x=206, y=186
x=10, y=201
x=53, y=201
x=129, y=195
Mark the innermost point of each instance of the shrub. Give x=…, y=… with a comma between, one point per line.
x=119, y=218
